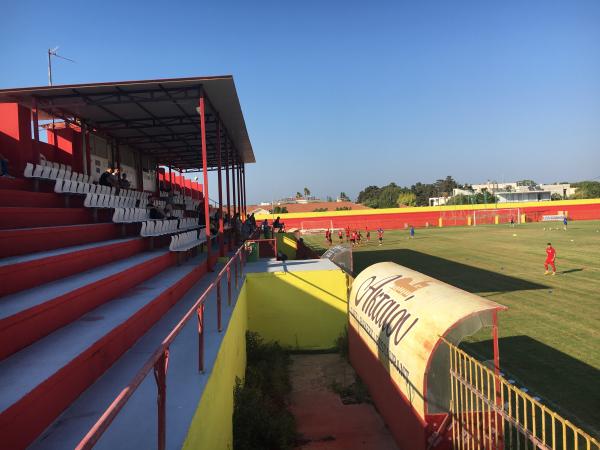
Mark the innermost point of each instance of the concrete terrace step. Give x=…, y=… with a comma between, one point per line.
x=31, y=314
x=40, y=381
x=26, y=271
x=24, y=184
x=184, y=383
x=12, y=217
x=24, y=241
x=29, y=199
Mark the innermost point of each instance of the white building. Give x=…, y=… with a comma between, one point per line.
x=564, y=189
x=523, y=196
x=438, y=201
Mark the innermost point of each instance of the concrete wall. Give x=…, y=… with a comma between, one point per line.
x=302, y=310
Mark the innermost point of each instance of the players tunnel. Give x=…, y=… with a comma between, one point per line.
x=397, y=321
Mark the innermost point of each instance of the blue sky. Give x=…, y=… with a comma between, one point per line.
x=339, y=95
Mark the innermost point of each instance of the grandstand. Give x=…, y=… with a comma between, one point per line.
x=91, y=284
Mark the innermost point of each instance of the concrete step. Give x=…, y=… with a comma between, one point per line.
x=27, y=271
x=24, y=241
x=29, y=315
x=12, y=217
x=42, y=380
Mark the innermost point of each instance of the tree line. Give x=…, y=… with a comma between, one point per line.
x=392, y=195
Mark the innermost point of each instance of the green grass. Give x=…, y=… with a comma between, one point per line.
x=550, y=335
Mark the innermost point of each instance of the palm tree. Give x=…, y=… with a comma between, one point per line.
x=306, y=192
x=298, y=195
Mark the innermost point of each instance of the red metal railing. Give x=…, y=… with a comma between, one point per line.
x=159, y=361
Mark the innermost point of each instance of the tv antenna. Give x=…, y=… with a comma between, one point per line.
x=51, y=53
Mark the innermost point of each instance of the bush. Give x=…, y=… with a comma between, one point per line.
x=342, y=345
x=260, y=417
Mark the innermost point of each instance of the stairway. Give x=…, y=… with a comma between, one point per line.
x=76, y=298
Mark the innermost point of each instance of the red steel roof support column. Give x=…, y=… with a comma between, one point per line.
x=231, y=224
x=239, y=191
x=244, y=185
x=233, y=184
x=205, y=174
x=36, y=133
x=220, y=182
x=227, y=179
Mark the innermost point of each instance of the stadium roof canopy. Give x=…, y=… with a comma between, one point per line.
x=159, y=118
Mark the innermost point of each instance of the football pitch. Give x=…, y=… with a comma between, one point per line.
x=550, y=335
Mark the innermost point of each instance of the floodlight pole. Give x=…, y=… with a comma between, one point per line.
x=205, y=174
x=220, y=182
x=49, y=67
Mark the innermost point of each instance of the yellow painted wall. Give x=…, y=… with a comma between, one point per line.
x=286, y=243
x=302, y=310
x=367, y=212
x=212, y=427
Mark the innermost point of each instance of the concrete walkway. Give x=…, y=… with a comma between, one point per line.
x=323, y=420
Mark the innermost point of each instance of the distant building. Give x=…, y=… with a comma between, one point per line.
x=523, y=196
x=257, y=210
x=563, y=189
x=438, y=201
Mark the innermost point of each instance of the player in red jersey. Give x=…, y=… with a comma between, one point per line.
x=550, y=259
x=353, y=238
x=347, y=234
x=368, y=233
x=380, y=235
x=341, y=236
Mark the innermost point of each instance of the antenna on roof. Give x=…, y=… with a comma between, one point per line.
x=51, y=53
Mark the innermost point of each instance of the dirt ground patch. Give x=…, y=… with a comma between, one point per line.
x=325, y=421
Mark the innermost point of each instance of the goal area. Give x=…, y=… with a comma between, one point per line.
x=315, y=226
x=496, y=216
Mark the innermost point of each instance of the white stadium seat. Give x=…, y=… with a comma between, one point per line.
x=186, y=241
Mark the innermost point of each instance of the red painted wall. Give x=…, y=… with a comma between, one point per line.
x=420, y=219
x=407, y=428
x=15, y=136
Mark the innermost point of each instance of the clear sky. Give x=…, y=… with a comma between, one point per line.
x=338, y=95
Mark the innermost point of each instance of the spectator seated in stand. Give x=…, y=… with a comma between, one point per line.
x=124, y=182
x=279, y=225
x=107, y=178
x=155, y=212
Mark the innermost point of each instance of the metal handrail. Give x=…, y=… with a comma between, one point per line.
x=160, y=358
